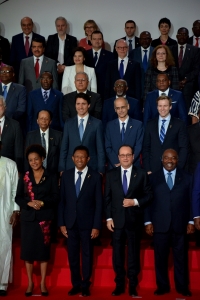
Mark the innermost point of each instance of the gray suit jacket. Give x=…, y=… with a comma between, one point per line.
x=27, y=73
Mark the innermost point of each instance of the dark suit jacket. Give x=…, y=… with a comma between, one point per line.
x=194, y=147
x=52, y=48
x=169, y=42
x=53, y=103
x=170, y=207
x=139, y=188
x=132, y=76
x=133, y=137
x=92, y=139
x=18, y=50
x=55, y=139
x=178, y=106
x=12, y=142
x=5, y=50
x=137, y=44
x=100, y=68
x=175, y=138
x=15, y=101
x=69, y=110
x=190, y=41
x=86, y=209
x=196, y=193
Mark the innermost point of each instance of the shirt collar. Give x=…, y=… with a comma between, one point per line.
x=2, y=119
x=129, y=169
x=146, y=48
x=47, y=131
x=166, y=118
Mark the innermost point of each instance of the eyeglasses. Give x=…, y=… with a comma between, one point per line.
x=182, y=34
x=122, y=48
x=5, y=72
x=79, y=80
x=89, y=27
x=120, y=85
x=125, y=155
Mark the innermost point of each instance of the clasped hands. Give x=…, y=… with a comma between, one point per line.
x=94, y=232
x=36, y=204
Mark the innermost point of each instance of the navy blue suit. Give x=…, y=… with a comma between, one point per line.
x=92, y=139
x=53, y=103
x=178, y=109
x=133, y=137
x=196, y=192
x=109, y=114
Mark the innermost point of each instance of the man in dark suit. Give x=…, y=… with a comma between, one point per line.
x=4, y=50
x=127, y=192
x=98, y=59
x=187, y=61
x=178, y=109
x=123, y=68
x=167, y=220
x=68, y=108
x=109, y=112
x=32, y=67
x=60, y=46
x=84, y=130
x=123, y=130
x=130, y=38
x=14, y=94
x=80, y=217
x=162, y=133
x=45, y=98
x=194, y=146
x=11, y=137
x=21, y=44
x=195, y=39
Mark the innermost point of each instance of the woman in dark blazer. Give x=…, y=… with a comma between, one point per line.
x=164, y=26
x=37, y=195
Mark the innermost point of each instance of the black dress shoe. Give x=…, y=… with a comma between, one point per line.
x=3, y=293
x=44, y=293
x=132, y=291
x=74, y=291
x=28, y=294
x=118, y=291
x=161, y=291
x=185, y=292
x=85, y=292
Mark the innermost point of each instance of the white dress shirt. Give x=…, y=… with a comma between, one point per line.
x=166, y=124
x=48, y=92
x=40, y=61
x=46, y=137
x=165, y=92
x=84, y=122
x=133, y=41
x=125, y=59
x=76, y=175
x=142, y=52
x=98, y=54
x=61, y=50
x=2, y=123
x=8, y=86
x=184, y=47
x=125, y=125
x=30, y=38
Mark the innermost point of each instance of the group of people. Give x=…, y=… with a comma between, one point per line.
x=79, y=112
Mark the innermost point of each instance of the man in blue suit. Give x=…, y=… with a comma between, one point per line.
x=98, y=59
x=123, y=131
x=80, y=217
x=21, y=44
x=178, y=109
x=109, y=112
x=83, y=130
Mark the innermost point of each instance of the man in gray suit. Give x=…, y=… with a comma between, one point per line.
x=32, y=67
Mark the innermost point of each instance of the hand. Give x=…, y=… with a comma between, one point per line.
x=14, y=219
x=117, y=165
x=182, y=83
x=64, y=231
x=94, y=233
x=60, y=68
x=190, y=228
x=110, y=225
x=36, y=204
x=128, y=202
x=197, y=223
x=149, y=172
x=149, y=229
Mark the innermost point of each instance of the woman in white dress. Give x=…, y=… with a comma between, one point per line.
x=68, y=84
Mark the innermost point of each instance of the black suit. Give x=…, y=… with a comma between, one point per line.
x=69, y=109
x=175, y=138
x=137, y=44
x=194, y=147
x=128, y=220
x=169, y=42
x=5, y=50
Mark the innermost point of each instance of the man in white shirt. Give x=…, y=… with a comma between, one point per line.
x=195, y=39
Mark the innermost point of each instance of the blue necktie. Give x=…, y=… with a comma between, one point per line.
x=45, y=96
x=81, y=129
x=162, y=131
x=169, y=180
x=95, y=57
x=130, y=46
x=124, y=183
x=5, y=93
x=44, y=146
x=121, y=69
x=145, y=62
x=123, y=131
x=78, y=183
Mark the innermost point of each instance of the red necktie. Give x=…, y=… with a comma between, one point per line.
x=180, y=57
x=27, y=45
x=197, y=42
x=37, y=68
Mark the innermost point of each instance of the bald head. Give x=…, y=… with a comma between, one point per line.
x=27, y=25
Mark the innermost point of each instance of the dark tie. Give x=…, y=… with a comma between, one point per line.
x=95, y=57
x=180, y=57
x=78, y=183
x=45, y=96
x=197, y=42
x=145, y=62
x=130, y=46
x=81, y=129
x=123, y=131
x=169, y=180
x=162, y=131
x=163, y=94
x=44, y=146
x=37, y=67
x=124, y=183
x=121, y=69
x=5, y=92
x=27, y=45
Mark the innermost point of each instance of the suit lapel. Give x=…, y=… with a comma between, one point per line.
x=129, y=129
x=44, y=64
x=51, y=142
x=5, y=127
x=88, y=128
x=85, y=183
x=132, y=181
x=10, y=93
x=186, y=54
x=170, y=127
x=129, y=65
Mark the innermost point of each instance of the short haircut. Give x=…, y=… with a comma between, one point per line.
x=61, y=19
x=7, y=66
x=164, y=20
x=94, y=24
x=122, y=99
x=38, y=40
x=97, y=32
x=130, y=21
x=169, y=57
x=84, y=96
x=46, y=72
x=126, y=145
x=163, y=74
x=48, y=111
x=82, y=73
x=83, y=148
x=26, y=18
x=35, y=148
x=121, y=80
x=169, y=149
x=121, y=40
x=79, y=49
x=183, y=28
x=163, y=97
x=3, y=100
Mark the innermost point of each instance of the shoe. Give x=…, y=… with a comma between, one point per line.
x=118, y=291
x=74, y=291
x=185, y=292
x=161, y=291
x=44, y=293
x=28, y=294
x=85, y=292
x=132, y=291
x=3, y=293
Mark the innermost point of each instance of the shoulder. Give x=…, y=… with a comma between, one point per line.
x=177, y=121
x=57, y=92
x=54, y=132
x=38, y=35
x=48, y=60
x=135, y=123
x=70, y=37
x=94, y=120
x=9, y=162
x=94, y=173
x=52, y=37
x=17, y=36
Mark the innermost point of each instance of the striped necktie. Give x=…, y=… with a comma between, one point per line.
x=162, y=131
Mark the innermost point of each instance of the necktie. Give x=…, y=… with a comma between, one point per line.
x=27, y=45
x=169, y=180
x=163, y=94
x=45, y=96
x=44, y=146
x=5, y=93
x=81, y=129
x=78, y=183
x=162, y=131
x=37, y=67
x=197, y=42
x=123, y=131
x=95, y=58
x=130, y=46
x=145, y=62
x=124, y=183
x=121, y=69
x=180, y=57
